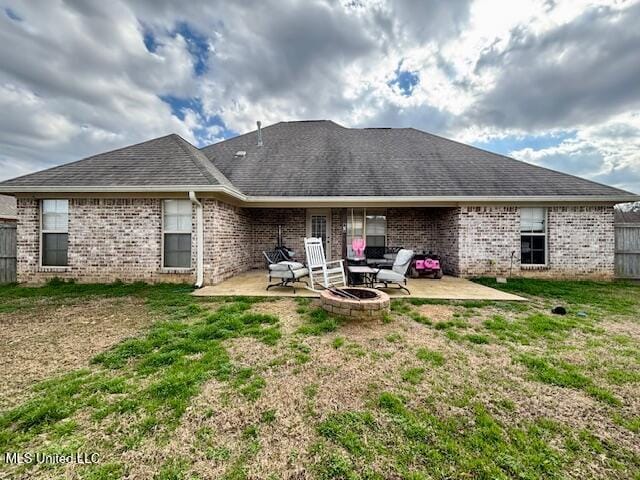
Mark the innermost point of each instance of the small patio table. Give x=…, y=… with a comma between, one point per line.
x=368, y=275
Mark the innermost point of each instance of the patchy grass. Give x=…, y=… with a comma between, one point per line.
x=226, y=388
x=564, y=374
x=412, y=443
x=393, y=337
x=631, y=423
x=413, y=375
x=477, y=338
x=535, y=327
x=318, y=322
x=59, y=289
x=451, y=324
x=608, y=297
x=618, y=376
x=144, y=383
x=430, y=356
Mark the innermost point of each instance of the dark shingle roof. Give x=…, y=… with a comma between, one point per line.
x=629, y=216
x=168, y=160
x=321, y=158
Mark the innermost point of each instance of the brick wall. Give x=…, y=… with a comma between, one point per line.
x=580, y=242
x=112, y=239
x=228, y=240
x=447, y=234
x=486, y=238
x=478, y=241
x=109, y=239
x=411, y=228
x=265, y=223
x=338, y=219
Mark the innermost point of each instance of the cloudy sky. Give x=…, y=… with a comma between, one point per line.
x=552, y=82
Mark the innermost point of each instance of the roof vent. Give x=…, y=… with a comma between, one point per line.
x=240, y=154
x=259, y=123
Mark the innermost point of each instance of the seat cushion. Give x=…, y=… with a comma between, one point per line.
x=284, y=266
x=297, y=273
x=389, y=276
x=401, y=264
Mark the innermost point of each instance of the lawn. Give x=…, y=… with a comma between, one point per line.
x=161, y=384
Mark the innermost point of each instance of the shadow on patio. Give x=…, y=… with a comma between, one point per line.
x=254, y=282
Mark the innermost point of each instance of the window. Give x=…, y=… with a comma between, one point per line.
x=368, y=223
x=533, y=236
x=55, y=236
x=177, y=233
x=376, y=228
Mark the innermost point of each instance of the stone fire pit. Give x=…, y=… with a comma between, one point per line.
x=371, y=303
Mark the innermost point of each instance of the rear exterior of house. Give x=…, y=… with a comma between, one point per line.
x=165, y=211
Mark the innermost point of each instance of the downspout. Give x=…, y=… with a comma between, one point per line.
x=199, y=240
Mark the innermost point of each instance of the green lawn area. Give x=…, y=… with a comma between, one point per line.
x=161, y=384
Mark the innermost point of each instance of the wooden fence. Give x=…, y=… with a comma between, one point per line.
x=628, y=250
x=7, y=252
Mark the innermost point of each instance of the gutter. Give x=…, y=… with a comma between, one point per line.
x=13, y=189
x=199, y=240
x=338, y=201
x=449, y=200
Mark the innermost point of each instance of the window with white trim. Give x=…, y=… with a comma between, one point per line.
x=533, y=236
x=176, y=233
x=55, y=233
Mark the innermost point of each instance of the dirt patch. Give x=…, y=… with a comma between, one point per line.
x=622, y=327
x=49, y=340
x=438, y=313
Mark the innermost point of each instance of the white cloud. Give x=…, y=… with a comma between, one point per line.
x=76, y=78
x=74, y=83
x=609, y=152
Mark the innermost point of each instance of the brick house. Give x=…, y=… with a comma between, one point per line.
x=164, y=210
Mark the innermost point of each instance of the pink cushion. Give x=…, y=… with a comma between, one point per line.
x=358, y=245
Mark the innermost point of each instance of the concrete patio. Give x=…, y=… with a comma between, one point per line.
x=254, y=282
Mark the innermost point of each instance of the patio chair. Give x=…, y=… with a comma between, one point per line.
x=322, y=273
x=398, y=272
x=288, y=272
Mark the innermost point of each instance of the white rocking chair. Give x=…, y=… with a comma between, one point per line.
x=323, y=274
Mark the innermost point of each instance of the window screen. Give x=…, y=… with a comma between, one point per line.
x=55, y=236
x=533, y=238
x=177, y=233
x=376, y=228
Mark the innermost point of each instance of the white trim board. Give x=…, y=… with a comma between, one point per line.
x=324, y=201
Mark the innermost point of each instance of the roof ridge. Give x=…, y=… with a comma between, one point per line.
x=239, y=136
x=204, y=165
x=273, y=125
x=516, y=160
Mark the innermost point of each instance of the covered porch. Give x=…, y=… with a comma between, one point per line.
x=253, y=283
x=421, y=229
